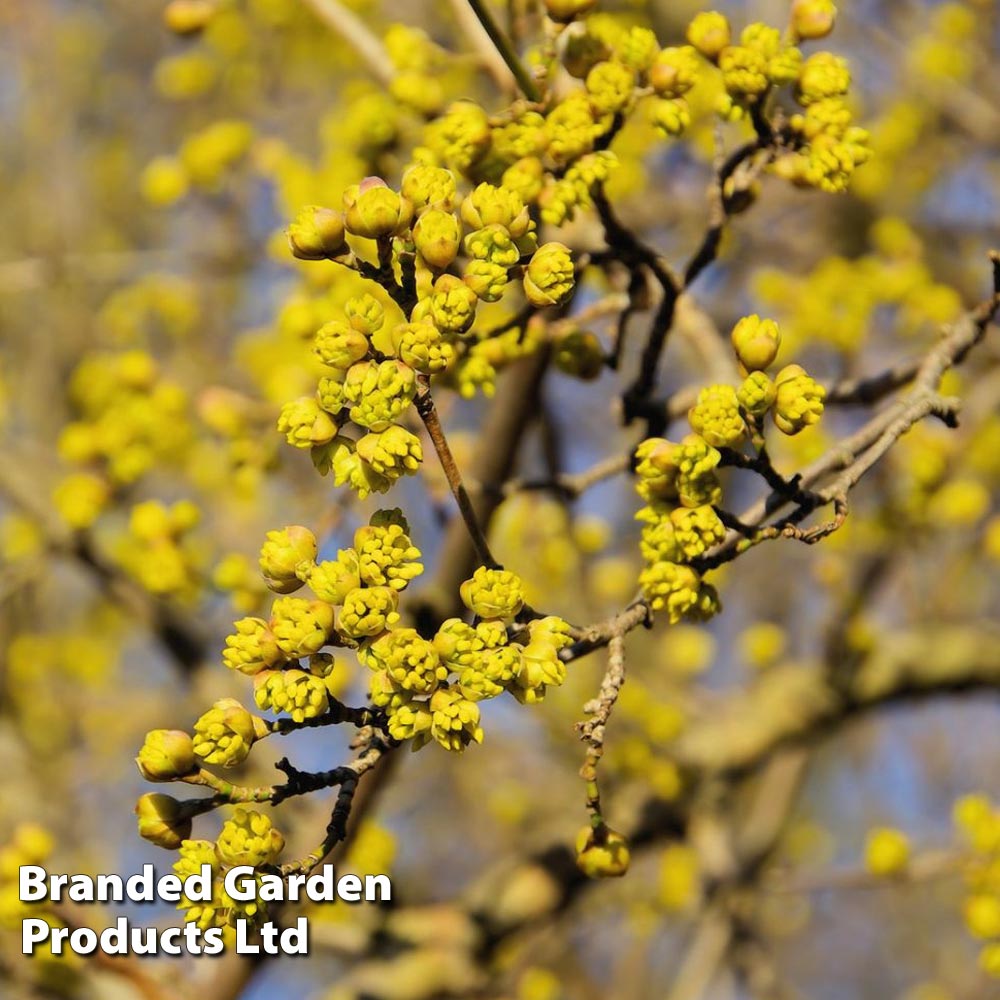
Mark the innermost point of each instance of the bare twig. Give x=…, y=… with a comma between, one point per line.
x=428, y=413
x=489, y=55
x=506, y=50
x=925, y=867
x=857, y=454
x=347, y=778
x=592, y=730
x=353, y=30
x=571, y=485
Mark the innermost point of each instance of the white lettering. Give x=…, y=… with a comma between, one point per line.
x=349, y=888
x=33, y=931
x=31, y=884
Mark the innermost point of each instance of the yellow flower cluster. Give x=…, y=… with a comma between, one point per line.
x=836, y=301
x=430, y=688
x=130, y=419
x=679, y=482
x=887, y=852
x=223, y=735
x=794, y=399
x=680, y=485
x=831, y=147
x=30, y=844
x=827, y=147
x=355, y=601
x=602, y=852
x=436, y=253
x=978, y=822
x=372, y=394
x=425, y=232
x=158, y=550
x=362, y=581
x=246, y=838
x=556, y=157
x=205, y=156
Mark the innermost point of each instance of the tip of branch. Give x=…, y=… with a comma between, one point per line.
x=994, y=256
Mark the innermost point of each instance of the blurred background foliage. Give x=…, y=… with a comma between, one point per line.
x=146, y=289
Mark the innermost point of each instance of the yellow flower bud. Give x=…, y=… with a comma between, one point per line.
x=332, y=579
x=887, y=851
x=339, y=345
x=982, y=915
x=187, y=17
x=486, y=279
x=671, y=116
x=226, y=732
x=744, y=71
x=757, y=393
x=487, y=205
x=610, y=85
x=80, y=497
x=452, y=304
x=762, y=644
x=305, y=423
x=300, y=626
x=32, y=843
x=454, y=719
x=248, y=838
x=164, y=181
x=675, y=71
x=579, y=353
x=709, y=33
x=365, y=314
x=812, y=19
x=564, y=11
x=367, y=611
x=549, y=276
x=493, y=593
x=166, y=754
x=716, y=417
x=300, y=694
x=462, y=135
x=525, y=177
x=756, y=342
x=989, y=960
x=798, y=401
x=421, y=346
x=602, y=853
x=437, y=236
x=317, y=233
x=373, y=210
x=821, y=76
x=657, y=471
x=286, y=557
x=162, y=821
x=251, y=648
x=672, y=588
x=425, y=185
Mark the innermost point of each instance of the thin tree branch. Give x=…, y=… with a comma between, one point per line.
x=490, y=56
x=353, y=30
x=506, y=50
x=428, y=413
